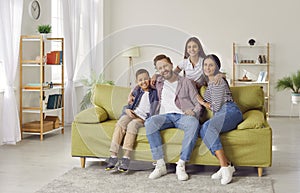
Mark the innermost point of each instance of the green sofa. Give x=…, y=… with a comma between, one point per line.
x=249, y=145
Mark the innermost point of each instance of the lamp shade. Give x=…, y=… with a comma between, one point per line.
x=132, y=52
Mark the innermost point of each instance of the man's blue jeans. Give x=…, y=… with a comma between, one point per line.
x=226, y=119
x=189, y=124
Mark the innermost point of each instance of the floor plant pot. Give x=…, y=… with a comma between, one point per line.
x=295, y=98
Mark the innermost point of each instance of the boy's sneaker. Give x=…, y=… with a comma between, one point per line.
x=124, y=165
x=112, y=161
x=181, y=173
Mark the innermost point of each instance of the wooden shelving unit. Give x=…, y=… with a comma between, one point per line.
x=39, y=66
x=252, y=61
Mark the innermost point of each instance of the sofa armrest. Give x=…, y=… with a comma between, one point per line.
x=91, y=115
x=253, y=119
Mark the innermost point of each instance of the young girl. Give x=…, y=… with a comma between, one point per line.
x=227, y=116
x=133, y=117
x=192, y=62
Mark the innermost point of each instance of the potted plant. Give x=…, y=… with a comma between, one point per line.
x=291, y=82
x=44, y=29
x=90, y=83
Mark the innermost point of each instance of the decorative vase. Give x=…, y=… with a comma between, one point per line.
x=295, y=98
x=45, y=35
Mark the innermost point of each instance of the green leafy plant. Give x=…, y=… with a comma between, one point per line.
x=44, y=29
x=90, y=83
x=291, y=82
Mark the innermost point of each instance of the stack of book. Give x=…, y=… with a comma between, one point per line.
x=36, y=86
x=54, y=101
x=54, y=57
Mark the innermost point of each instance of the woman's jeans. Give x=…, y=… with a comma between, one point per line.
x=226, y=119
x=189, y=124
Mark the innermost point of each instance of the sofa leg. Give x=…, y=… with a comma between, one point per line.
x=82, y=162
x=260, y=171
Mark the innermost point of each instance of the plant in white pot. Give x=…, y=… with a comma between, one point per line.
x=291, y=82
x=90, y=83
x=44, y=30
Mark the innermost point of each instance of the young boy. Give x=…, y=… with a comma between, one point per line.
x=133, y=117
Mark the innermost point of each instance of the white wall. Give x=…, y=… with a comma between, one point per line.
x=163, y=26
x=29, y=25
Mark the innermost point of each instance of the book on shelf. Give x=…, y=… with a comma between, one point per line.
x=36, y=86
x=54, y=101
x=262, y=76
x=236, y=58
x=54, y=57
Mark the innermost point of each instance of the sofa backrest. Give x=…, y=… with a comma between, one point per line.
x=110, y=98
x=113, y=98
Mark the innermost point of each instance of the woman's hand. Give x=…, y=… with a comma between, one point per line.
x=206, y=105
x=202, y=102
x=218, y=77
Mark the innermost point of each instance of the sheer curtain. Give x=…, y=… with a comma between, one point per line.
x=10, y=31
x=83, y=26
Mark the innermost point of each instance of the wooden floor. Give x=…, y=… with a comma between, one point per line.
x=31, y=164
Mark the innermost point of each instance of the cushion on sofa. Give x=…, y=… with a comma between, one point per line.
x=253, y=119
x=91, y=115
x=248, y=97
x=111, y=98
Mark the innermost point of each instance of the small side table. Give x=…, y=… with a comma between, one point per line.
x=295, y=103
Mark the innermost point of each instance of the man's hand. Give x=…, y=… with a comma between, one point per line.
x=130, y=98
x=190, y=112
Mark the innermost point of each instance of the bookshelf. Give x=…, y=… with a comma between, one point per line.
x=251, y=65
x=36, y=85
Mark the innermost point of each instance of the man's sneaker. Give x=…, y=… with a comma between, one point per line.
x=159, y=171
x=217, y=175
x=180, y=172
x=227, y=173
x=112, y=161
x=124, y=165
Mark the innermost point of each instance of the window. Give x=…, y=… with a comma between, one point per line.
x=2, y=76
x=56, y=31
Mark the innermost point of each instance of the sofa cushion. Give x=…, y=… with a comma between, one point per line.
x=91, y=115
x=253, y=119
x=248, y=97
x=110, y=98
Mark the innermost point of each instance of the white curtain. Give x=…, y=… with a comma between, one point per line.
x=10, y=30
x=82, y=21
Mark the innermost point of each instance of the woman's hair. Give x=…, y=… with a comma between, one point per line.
x=141, y=71
x=197, y=41
x=161, y=57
